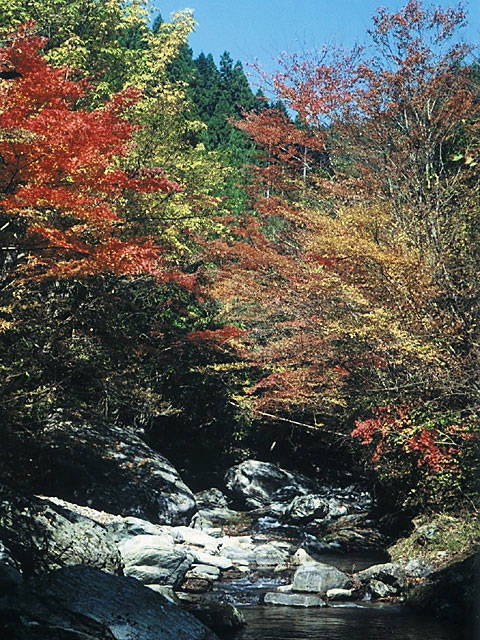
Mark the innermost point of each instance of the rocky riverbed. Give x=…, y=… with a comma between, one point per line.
x=266, y=536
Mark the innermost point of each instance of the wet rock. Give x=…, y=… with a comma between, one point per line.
x=351, y=532
x=303, y=509
x=42, y=536
x=84, y=603
x=293, y=599
x=220, y=616
x=155, y=559
x=253, y=483
x=318, y=577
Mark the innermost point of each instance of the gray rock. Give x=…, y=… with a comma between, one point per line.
x=340, y=594
x=124, y=528
x=42, y=536
x=203, y=557
x=213, y=518
x=451, y=593
x=293, y=599
x=195, y=537
x=318, y=577
x=253, y=484
x=10, y=571
x=155, y=559
x=379, y=589
x=204, y=572
x=211, y=499
x=165, y=590
x=111, y=468
x=417, y=567
x=220, y=616
x=270, y=554
x=303, y=509
x=389, y=573
x=82, y=602
x=427, y=533
x=240, y=550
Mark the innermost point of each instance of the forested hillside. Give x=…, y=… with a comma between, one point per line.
x=295, y=277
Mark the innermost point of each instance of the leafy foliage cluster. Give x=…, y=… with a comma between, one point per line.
x=180, y=255
x=357, y=286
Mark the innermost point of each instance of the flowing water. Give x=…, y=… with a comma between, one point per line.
x=352, y=621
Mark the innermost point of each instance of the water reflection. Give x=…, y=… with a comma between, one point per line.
x=340, y=623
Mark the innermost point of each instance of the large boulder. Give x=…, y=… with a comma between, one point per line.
x=303, y=509
x=318, y=577
x=110, y=468
x=253, y=484
x=83, y=603
x=451, y=593
x=42, y=536
x=155, y=559
x=383, y=579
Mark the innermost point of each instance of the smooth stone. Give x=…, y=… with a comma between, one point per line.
x=203, y=571
x=339, y=594
x=318, y=578
x=294, y=599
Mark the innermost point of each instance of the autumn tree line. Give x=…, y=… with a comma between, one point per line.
x=291, y=276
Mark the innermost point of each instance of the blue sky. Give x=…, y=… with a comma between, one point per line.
x=259, y=30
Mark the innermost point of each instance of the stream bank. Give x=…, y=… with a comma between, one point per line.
x=267, y=540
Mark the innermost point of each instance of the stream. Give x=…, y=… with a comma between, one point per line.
x=331, y=537
x=352, y=621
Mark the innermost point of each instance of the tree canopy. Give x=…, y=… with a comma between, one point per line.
x=174, y=245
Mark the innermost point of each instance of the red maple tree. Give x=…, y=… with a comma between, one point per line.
x=60, y=183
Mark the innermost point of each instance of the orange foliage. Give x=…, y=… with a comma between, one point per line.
x=58, y=172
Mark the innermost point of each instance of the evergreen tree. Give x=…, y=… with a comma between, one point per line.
x=220, y=94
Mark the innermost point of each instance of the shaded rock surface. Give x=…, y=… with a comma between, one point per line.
x=110, y=468
x=452, y=593
x=219, y=616
x=42, y=536
x=383, y=579
x=85, y=603
x=10, y=571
